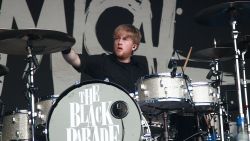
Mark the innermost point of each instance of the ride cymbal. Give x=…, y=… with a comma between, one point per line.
x=224, y=13
x=221, y=53
x=15, y=42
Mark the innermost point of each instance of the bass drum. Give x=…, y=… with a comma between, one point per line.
x=96, y=110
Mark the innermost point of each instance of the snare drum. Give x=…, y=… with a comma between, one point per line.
x=163, y=91
x=204, y=96
x=16, y=126
x=96, y=110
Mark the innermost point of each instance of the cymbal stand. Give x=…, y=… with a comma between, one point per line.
x=216, y=61
x=245, y=91
x=238, y=84
x=31, y=88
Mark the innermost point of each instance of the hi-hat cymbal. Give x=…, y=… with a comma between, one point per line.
x=221, y=53
x=3, y=70
x=223, y=14
x=15, y=42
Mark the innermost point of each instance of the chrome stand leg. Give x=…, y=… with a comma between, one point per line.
x=245, y=93
x=165, y=125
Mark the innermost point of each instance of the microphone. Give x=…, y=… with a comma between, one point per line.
x=173, y=72
x=211, y=71
x=215, y=84
x=171, y=63
x=210, y=74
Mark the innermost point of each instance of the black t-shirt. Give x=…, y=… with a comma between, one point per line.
x=107, y=67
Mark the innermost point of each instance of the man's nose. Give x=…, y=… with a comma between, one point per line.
x=119, y=41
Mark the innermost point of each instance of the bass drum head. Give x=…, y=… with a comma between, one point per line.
x=94, y=110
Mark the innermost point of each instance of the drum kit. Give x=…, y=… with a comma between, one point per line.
x=104, y=111
x=22, y=124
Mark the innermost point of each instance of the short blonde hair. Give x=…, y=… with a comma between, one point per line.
x=131, y=30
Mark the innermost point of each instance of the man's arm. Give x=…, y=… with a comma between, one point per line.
x=72, y=58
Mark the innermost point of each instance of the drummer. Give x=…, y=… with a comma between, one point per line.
x=120, y=67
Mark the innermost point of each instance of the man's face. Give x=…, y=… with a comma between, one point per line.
x=123, y=45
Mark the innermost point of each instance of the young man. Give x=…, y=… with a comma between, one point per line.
x=121, y=67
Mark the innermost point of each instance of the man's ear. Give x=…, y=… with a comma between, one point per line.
x=134, y=47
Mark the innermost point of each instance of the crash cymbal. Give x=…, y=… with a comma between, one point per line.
x=3, y=70
x=41, y=41
x=244, y=43
x=222, y=14
x=221, y=53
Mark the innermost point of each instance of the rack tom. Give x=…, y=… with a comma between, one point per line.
x=204, y=96
x=163, y=91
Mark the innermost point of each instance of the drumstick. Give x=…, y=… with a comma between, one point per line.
x=189, y=53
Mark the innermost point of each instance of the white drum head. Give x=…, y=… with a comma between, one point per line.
x=87, y=112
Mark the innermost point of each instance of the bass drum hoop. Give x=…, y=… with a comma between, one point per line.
x=79, y=85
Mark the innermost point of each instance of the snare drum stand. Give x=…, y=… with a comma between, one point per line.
x=30, y=87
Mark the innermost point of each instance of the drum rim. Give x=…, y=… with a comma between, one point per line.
x=48, y=97
x=200, y=83
x=78, y=85
x=167, y=74
x=18, y=111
